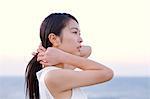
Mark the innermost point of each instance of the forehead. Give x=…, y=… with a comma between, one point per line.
x=72, y=24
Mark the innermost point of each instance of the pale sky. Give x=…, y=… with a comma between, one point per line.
x=117, y=30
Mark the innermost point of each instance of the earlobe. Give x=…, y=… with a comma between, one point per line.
x=57, y=43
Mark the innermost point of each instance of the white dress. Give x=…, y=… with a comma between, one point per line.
x=77, y=93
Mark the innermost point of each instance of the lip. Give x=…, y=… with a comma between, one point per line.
x=79, y=47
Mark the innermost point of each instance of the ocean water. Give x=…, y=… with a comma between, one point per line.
x=117, y=88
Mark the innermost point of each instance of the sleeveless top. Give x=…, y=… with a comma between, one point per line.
x=77, y=93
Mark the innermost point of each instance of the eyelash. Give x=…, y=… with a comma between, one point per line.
x=75, y=32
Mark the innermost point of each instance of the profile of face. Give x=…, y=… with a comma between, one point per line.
x=69, y=40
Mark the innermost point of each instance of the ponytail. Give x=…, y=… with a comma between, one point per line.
x=32, y=87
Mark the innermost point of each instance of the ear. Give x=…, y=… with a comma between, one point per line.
x=55, y=40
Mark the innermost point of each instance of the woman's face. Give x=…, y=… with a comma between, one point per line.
x=71, y=40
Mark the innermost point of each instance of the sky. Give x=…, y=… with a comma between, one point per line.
x=117, y=30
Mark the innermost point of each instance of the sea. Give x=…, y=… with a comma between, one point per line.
x=12, y=87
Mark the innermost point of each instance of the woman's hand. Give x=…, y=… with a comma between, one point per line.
x=51, y=56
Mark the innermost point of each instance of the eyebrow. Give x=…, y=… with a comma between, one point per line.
x=75, y=28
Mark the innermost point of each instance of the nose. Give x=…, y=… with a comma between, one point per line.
x=80, y=40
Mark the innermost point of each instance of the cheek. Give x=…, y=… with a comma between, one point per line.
x=69, y=45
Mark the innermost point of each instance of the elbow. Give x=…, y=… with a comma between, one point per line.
x=109, y=74
x=105, y=75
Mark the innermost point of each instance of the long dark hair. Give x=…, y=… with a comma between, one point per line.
x=54, y=23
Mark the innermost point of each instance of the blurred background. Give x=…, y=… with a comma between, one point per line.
x=117, y=30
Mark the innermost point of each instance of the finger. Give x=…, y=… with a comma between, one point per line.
x=39, y=50
x=44, y=63
x=40, y=58
x=41, y=54
x=41, y=47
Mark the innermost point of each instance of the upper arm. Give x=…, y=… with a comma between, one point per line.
x=65, y=79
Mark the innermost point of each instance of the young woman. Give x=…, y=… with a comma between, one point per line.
x=50, y=74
